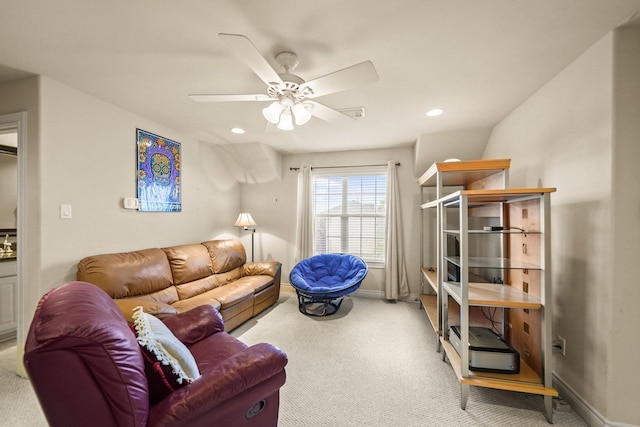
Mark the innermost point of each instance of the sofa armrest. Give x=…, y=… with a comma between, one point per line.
x=268, y=268
x=221, y=382
x=158, y=309
x=195, y=324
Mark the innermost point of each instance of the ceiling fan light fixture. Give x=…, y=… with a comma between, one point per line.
x=287, y=92
x=272, y=112
x=286, y=120
x=301, y=113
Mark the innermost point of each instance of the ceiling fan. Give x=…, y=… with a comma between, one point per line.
x=291, y=97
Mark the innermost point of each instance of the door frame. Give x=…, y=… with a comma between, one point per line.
x=18, y=122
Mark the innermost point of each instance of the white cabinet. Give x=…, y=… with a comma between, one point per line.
x=8, y=295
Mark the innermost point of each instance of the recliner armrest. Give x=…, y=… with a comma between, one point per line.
x=268, y=268
x=195, y=324
x=221, y=382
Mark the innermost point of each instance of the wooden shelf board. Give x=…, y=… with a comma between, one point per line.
x=431, y=275
x=462, y=173
x=430, y=306
x=527, y=381
x=494, y=295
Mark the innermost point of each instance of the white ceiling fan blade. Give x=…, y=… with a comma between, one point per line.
x=229, y=98
x=247, y=52
x=328, y=114
x=344, y=79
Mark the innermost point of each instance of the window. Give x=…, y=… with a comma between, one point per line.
x=349, y=211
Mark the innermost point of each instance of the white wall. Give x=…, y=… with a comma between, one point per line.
x=468, y=144
x=623, y=377
x=273, y=206
x=89, y=161
x=82, y=151
x=563, y=136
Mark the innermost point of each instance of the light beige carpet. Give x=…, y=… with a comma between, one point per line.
x=18, y=404
x=375, y=363
x=372, y=364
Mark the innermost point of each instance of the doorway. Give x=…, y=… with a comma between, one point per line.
x=8, y=232
x=13, y=133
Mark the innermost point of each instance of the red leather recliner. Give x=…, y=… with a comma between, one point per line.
x=87, y=369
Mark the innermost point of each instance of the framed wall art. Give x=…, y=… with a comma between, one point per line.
x=159, y=187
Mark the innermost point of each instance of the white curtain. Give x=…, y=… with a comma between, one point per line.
x=396, y=284
x=304, y=234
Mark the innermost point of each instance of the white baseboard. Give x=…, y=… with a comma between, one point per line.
x=582, y=407
x=364, y=293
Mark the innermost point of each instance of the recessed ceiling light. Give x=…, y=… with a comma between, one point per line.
x=435, y=112
x=237, y=130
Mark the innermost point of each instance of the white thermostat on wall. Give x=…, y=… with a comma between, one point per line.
x=130, y=203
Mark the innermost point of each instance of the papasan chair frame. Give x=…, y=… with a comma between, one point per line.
x=325, y=280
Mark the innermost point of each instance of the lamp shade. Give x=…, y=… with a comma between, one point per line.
x=286, y=120
x=301, y=113
x=272, y=112
x=244, y=220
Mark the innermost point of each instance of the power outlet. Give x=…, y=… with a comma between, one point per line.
x=560, y=344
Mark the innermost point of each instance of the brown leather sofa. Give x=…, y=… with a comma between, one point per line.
x=176, y=279
x=87, y=368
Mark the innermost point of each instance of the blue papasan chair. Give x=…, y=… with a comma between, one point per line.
x=323, y=281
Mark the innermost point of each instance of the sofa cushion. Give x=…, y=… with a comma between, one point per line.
x=257, y=283
x=191, y=289
x=232, y=293
x=229, y=276
x=156, y=303
x=188, y=262
x=225, y=254
x=216, y=347
x=168, y=362
x=195, y=301
x=127, y=274
x=156, y=308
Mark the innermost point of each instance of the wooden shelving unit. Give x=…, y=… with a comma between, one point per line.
x=503, y=266
x=445, y=178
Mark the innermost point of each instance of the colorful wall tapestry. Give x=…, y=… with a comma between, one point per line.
x=159, y=187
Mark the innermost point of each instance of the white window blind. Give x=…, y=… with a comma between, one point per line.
x=349, y=210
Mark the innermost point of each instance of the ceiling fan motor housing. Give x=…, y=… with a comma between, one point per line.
x=290, y=87
x=287, y=60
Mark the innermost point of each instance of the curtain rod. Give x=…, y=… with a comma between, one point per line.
x=336, y=167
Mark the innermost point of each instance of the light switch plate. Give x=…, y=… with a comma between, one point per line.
x=130, y=203
x=65, y=211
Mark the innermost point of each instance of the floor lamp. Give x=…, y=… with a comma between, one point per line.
x=246, y=220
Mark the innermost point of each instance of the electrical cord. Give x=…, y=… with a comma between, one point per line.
x=500, y=228
x=489, y=313
x=520, y=229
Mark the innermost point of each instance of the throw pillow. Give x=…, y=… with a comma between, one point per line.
x=169, y=364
